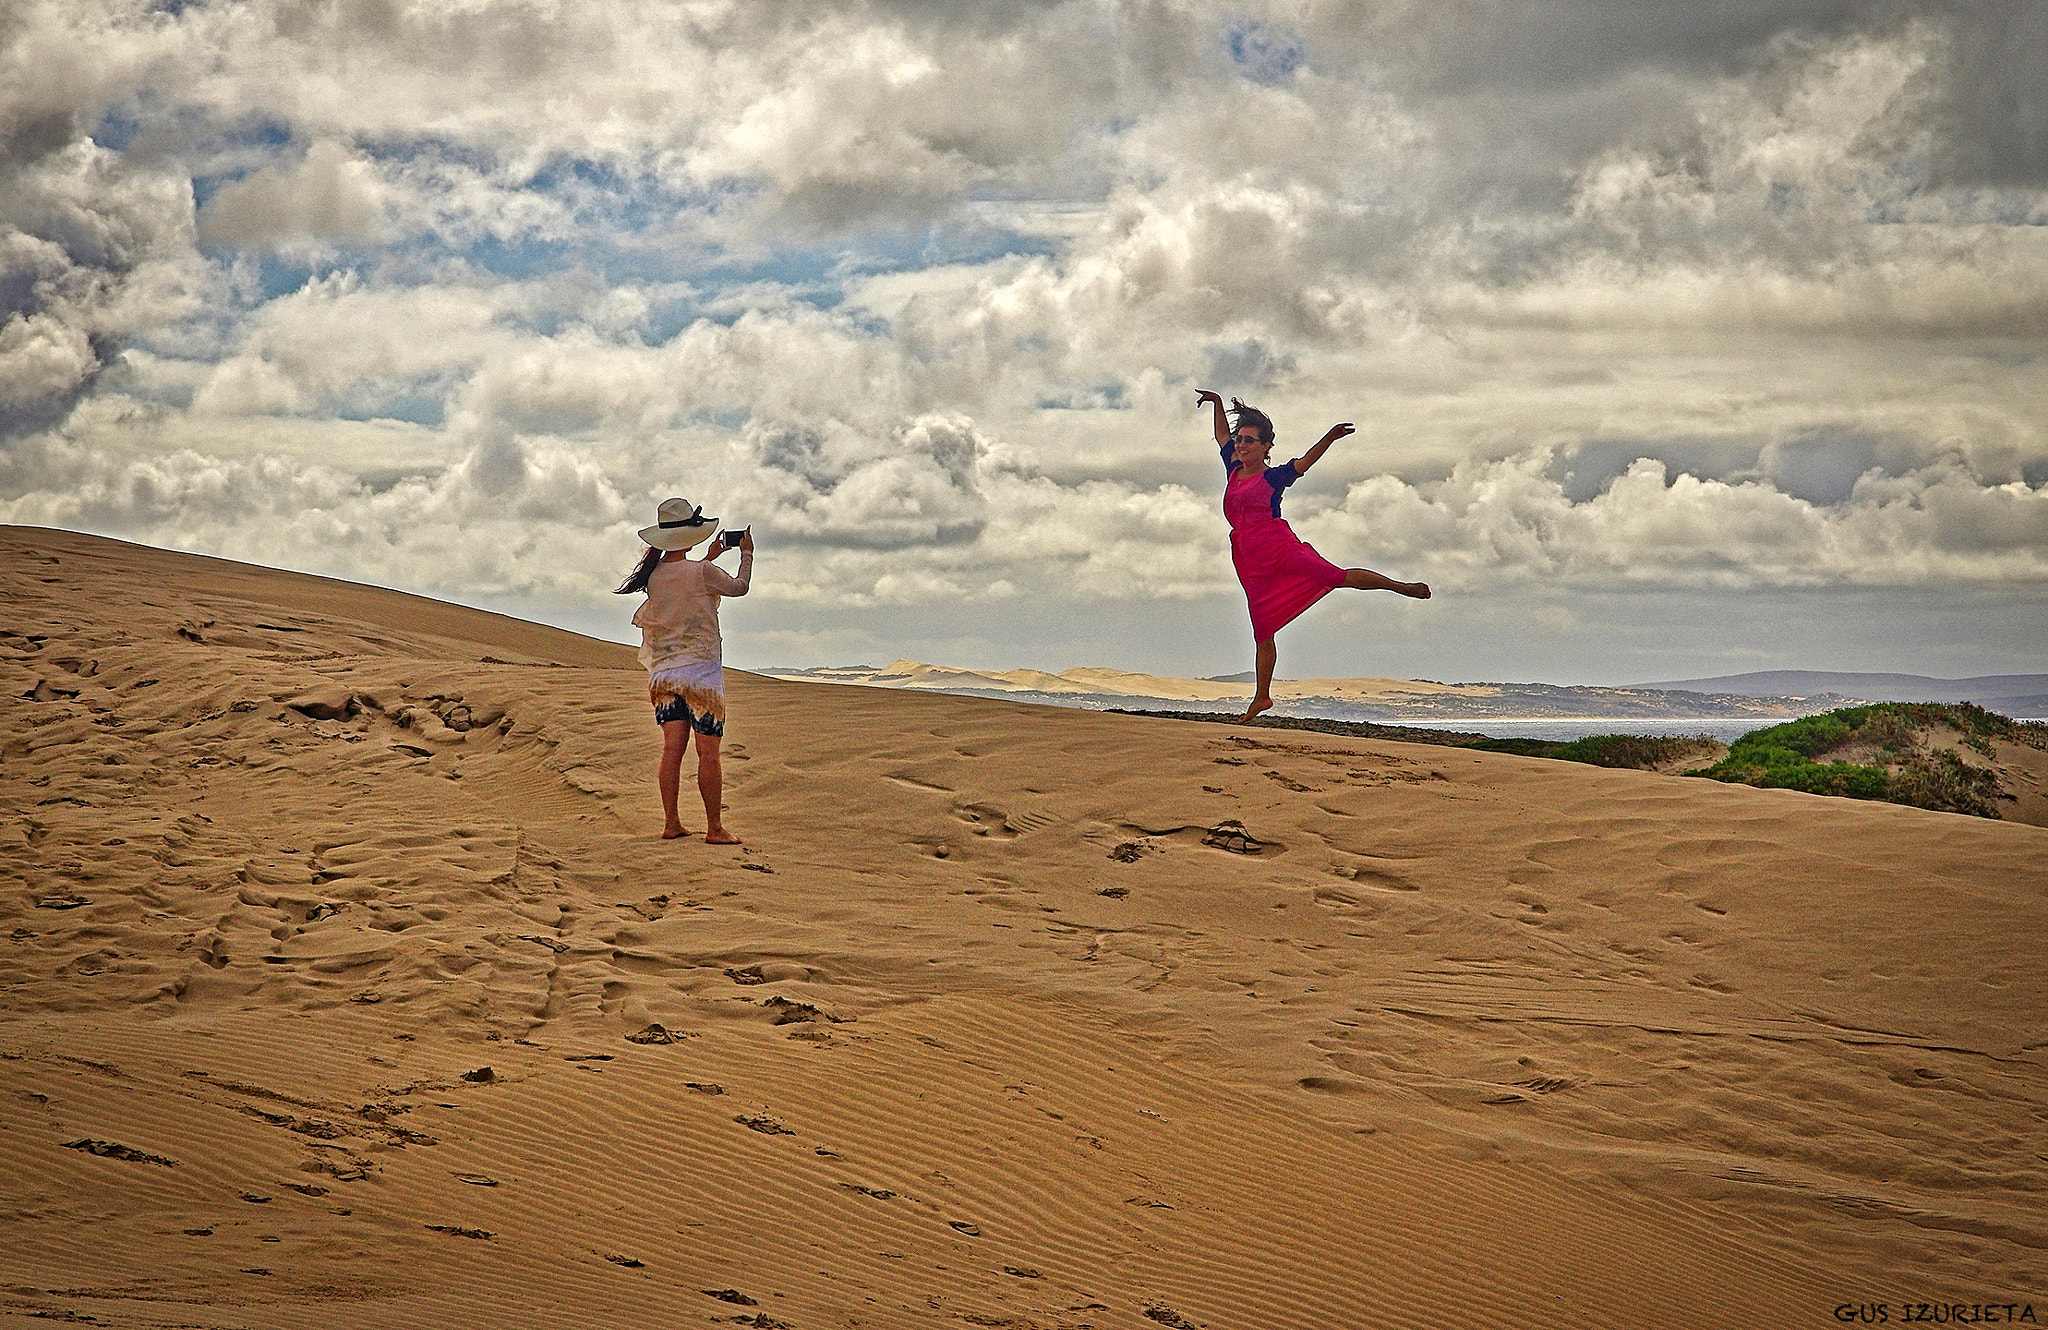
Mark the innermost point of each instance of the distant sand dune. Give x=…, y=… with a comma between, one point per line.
x=335, y=952
x=1362, y=699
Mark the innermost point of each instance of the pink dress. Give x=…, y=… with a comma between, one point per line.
x=1282, y=574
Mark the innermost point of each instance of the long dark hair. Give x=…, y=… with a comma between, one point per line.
x=638, y=580
x=1251, y=415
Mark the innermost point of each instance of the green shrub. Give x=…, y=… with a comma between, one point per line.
x=1945, y=782
x=1783, y=757
x=1638, y=751
x=1519, y=747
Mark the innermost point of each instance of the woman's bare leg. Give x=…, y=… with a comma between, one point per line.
x=711, y=787
x=675, y=741
x=1365, y=579
x=1266, y=654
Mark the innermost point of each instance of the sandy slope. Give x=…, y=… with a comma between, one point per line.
x=977, y=1030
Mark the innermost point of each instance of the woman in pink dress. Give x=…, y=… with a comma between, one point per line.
x=1282, y=575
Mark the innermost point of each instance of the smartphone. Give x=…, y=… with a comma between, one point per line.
x=732, y=539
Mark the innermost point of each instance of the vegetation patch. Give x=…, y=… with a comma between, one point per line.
x=1896, y=756
x=1638, y=752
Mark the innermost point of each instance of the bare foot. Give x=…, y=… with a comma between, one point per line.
x=1258, y=704
x=674, y=832
x=1419, y=590
x=720, y=836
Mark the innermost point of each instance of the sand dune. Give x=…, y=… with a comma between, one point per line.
x=1360, y=699
x=346, y=983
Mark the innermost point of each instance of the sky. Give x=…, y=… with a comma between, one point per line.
x=1683, y=337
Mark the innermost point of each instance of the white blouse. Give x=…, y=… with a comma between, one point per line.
x=678, y=621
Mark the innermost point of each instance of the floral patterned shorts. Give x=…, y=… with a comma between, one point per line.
x=675, y=708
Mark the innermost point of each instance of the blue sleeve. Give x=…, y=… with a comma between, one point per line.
x=1280, y=477
x=1229, y=459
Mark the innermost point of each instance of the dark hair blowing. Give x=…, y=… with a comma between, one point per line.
x=1251, y=415
x=638, y=580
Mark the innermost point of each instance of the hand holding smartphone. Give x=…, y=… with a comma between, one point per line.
x=731, y=539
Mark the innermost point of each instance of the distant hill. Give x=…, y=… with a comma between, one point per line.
x=2012, y=694
x=1351, y=700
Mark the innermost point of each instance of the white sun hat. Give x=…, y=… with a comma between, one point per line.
x=679, y=524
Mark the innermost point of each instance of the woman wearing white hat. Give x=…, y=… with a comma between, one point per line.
x=681, y=648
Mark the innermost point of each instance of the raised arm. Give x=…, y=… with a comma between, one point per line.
x=1222, y=420
x=1315, y=454
x=721, y=583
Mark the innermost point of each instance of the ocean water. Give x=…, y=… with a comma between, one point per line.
x=1727, y=730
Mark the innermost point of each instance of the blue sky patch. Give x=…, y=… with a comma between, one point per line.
x=1264, y=52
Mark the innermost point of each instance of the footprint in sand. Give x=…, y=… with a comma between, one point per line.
x=1547, y=1084
x=112, y=1150
x=764, y=1124
x=796, y=1013
x=657, y=1033
x=353, y=1172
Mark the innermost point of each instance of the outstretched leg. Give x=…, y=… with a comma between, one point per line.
x=1267, y=653
x=1365, y=579
x=711, y=787
x=675, y=741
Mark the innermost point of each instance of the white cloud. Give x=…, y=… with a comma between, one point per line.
x=41, y=358
x=330, y=194
x=92, y=251
x=1508, y=522
x=1747, y=296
